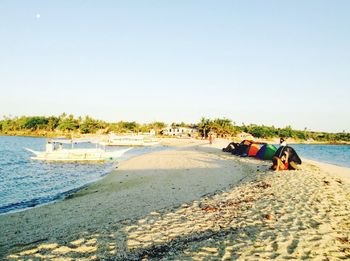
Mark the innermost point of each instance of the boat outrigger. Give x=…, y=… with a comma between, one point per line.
x=55, y=152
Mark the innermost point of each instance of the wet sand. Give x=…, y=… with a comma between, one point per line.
x=192, y=202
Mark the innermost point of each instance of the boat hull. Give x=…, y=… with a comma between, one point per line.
x=83, y=155
x=129, y=141
x=129, y=144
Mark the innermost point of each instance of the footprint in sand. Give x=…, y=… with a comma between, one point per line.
x=275, y=246
x=291, y=248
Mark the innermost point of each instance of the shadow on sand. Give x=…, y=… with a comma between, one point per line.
x=141, y=213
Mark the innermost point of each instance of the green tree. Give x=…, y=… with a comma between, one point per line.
x=204, y=127
x=68, y=123
x=52, y=123
x=35, y=123
x=223, y=127
x=90, y=125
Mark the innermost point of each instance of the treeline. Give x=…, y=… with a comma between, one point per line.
x=67, y=124
x=225, y=127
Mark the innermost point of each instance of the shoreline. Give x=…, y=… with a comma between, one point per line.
x=268, y=140
x=74, y=202
x=39, y=242
x=166, y=142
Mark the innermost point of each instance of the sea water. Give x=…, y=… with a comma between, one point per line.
x=333, y=154
x=26, y=183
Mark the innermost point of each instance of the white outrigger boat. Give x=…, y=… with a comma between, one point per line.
x=55, y=152
x=130, y=140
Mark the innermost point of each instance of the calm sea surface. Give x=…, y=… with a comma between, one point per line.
x=334, y=154
x=26, y=183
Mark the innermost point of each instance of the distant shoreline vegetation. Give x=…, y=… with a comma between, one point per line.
x=65, y=125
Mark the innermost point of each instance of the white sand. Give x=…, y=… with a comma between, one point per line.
x=138, y=212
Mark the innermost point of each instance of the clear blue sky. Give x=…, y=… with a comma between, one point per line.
x=266, y=62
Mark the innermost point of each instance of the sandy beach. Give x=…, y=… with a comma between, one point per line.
x=191, y=202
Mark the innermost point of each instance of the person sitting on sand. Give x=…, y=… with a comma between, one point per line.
x=283, y=142
x=281, y=163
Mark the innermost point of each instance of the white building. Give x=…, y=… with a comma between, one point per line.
x=245, y=136
x=179, y=131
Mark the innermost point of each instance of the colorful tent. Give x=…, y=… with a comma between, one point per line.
x=266, y=152
x=242, y=148
x=293, y=156
x=249, y=150
x=231, y=147
x=253, y=149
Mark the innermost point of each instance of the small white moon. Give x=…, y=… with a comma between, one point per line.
x=37, y=16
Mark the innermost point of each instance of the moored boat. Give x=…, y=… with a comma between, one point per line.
x=55, y=152
x=129, y=140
